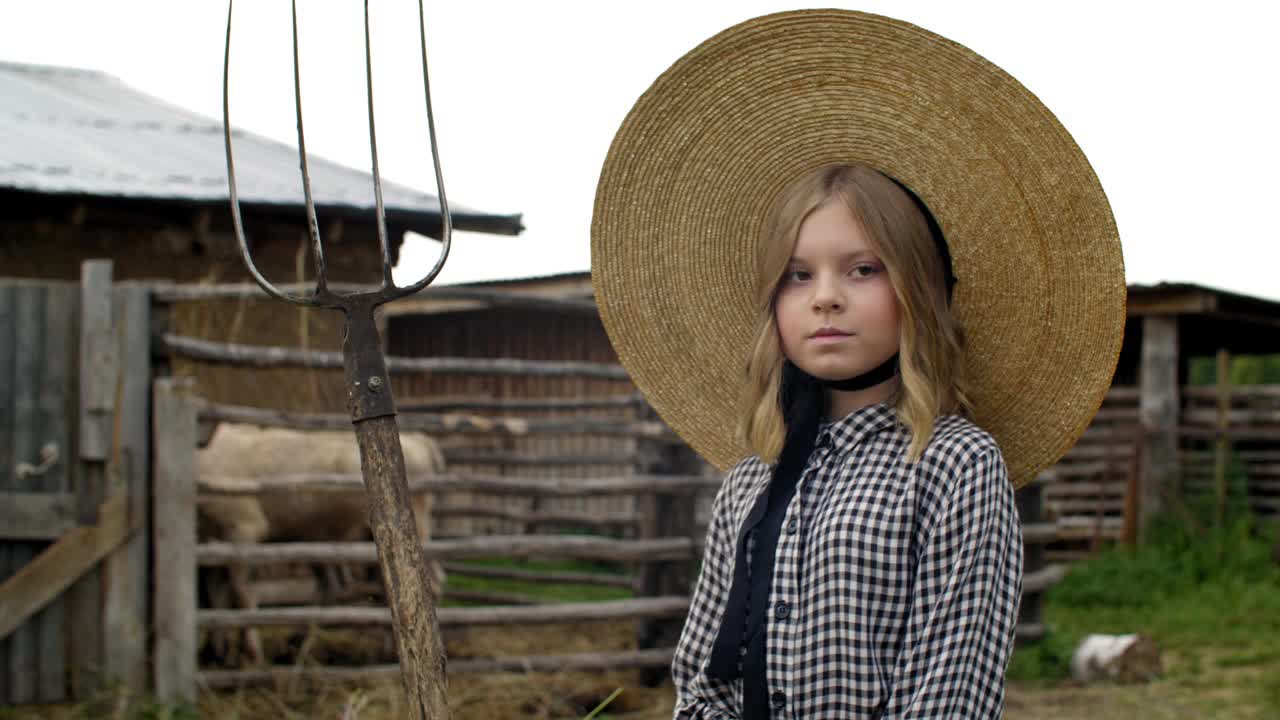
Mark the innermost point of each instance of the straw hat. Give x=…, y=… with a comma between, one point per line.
x=700, y=157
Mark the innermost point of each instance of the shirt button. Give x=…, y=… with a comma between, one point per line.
x=793, y=526
x=781, y=610
x=778, y=699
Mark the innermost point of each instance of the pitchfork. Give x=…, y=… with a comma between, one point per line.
x=400, y=553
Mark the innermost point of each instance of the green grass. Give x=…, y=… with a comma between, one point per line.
x=1209, y=597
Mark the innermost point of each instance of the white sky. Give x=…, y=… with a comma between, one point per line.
x=1174, y=103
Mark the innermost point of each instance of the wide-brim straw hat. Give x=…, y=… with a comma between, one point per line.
x=705, y=150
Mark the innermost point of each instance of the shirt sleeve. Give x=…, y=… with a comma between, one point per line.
x=697, y=696
x=968, y=585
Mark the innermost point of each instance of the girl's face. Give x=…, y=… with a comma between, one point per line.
x=836, y=310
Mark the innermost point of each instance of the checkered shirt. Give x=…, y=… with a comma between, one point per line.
x=896, y=587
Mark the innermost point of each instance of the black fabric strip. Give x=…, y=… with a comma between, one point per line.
x=804, y=404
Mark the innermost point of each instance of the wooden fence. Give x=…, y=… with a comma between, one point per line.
x=664, y=543
x=1223, y=432
x=661, y=537
x=98, y=551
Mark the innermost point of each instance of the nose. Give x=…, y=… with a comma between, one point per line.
x=827, y=296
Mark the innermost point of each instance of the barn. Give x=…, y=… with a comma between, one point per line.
x=93, y=169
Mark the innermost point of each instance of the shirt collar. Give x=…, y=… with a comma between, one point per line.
x=849, y=430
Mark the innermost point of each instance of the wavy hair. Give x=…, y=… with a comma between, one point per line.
x=931, y=345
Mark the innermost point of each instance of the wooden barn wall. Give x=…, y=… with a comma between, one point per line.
x=52, y=240
x=528, y=335
x=38, y=373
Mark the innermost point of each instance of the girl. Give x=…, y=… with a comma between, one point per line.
x=867, y=560
x=864, y=560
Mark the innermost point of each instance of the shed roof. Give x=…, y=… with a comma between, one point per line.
x=81, y=132
x=1209, y=318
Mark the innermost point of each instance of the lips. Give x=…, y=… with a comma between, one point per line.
x=830, y=333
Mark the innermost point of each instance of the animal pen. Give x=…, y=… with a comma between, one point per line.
x=100, y=572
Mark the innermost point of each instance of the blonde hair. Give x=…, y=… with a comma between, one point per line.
x=931, y=346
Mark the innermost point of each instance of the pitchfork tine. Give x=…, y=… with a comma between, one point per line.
x=446, y=228
x=323, y=296
x=236, y=221
x=313, y=225
x=373, y=151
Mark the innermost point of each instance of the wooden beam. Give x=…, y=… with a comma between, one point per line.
x=577, y=662
x=593, y=548
x=36, y=515
x=448, y=423
x=264, y=356
x=174, y=541
x=1179, y=302
x=426, y=301
x=473, y=402
x=461, y=482
x=126, y=571
x=61, y=564
x=1159, y=408
x=667, y=606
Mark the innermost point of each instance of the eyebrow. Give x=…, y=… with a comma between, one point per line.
x=847, y=257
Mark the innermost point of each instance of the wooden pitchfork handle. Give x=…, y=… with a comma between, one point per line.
x=400, y=552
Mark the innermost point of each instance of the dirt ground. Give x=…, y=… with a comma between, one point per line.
x=1218, y=694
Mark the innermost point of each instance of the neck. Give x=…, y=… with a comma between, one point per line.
x=843, y=402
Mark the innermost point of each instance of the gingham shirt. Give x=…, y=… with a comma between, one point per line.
x=896, y=586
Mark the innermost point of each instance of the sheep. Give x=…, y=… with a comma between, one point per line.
x=247, y=451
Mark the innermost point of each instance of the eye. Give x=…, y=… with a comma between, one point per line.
x=795, y=276
x=864, y=270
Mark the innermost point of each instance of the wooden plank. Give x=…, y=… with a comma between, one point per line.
x=6, y=570
x=447, y=423
x=174, y=540
x=578, y=662
x=8, y=300
x=36, y=515
x=96, y=363
x=262, y=356
x=1039, y=533
x=98, y=360
x=471, y=296
x=23, y=661
x=665, y=606
x=458, y=403
x=454, y=482
x=468, y=456
x=125, y=571
x=211, y=554
x=1236, y=417
x=1238, y=393
x=51, y=572
x=1042, y=579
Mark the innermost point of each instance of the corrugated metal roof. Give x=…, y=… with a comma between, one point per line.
x=82, y=132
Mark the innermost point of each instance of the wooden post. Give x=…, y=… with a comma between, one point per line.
x=1222, y=445
x=665, y=515
x=125, y=571
x=174, y=540
x=1158, y=410
x=99, y=367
